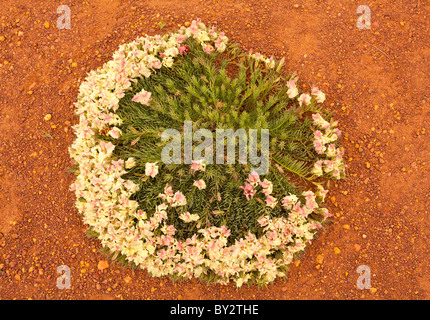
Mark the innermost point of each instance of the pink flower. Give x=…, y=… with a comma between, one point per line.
x=141, y=214
x=160, y=213
x=220, y=45
x=319, y=95
x=178, y=199
x=168, y=191
x=199, y=184
x=331, y=150
x=130, y=163
x=326, y=213
x=194, y=28
x=248, y=190
x=289, y=201
x=115, y=132
x=319, y=121
x=96, y=181
x=107, y=146
x=319, y=147
x=198, y=165
x=299, y=246
x=310, y=200
x=183, y=49
x=337, y=132
x=129, y=185
x=308, y=195
x=168, y=62
x=318, y=135
x=321, y=193
x=304, y=97
x=313, y=225
x=224, y=231
x=118, y=165
x=155, y=63
x=319, y=164
x=170, y=230
x=336, y=173
x=208, y=48
x=107, y=118
x=143, y=97
x=151, y=169
x=263, y=221
x=267, y=187
x=271, y=201
x=253, y=178
x=180, y=38
x=188, y=217
x=298, y=209
x=317, y=117
x=328, y=165
x=265, y=184
x=212, y=31
x=292, y=89
x=317, y=170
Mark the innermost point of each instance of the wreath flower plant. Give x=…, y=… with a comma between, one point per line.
x=216, y=222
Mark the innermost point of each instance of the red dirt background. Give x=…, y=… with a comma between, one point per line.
x=377, y=82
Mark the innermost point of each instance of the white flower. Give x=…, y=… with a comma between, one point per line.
x=319, y=95
x=178, y=199
x=317, y=170
x=292, y=89
x=187, y=217
x=304, y=98
x=200, y=184
x=115, y=133
x=168, y=62
x=143, y=97
x=271, y=201
x=151, y=169
x=289, y=201
x=130, y=163
x=270, y=63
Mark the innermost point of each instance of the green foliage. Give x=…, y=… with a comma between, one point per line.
x=230, y=91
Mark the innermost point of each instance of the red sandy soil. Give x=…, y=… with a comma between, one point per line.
x=377, y=82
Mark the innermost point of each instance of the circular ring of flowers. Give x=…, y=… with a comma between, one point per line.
x=103, y=196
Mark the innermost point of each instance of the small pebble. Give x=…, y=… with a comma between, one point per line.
x=319, y=259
